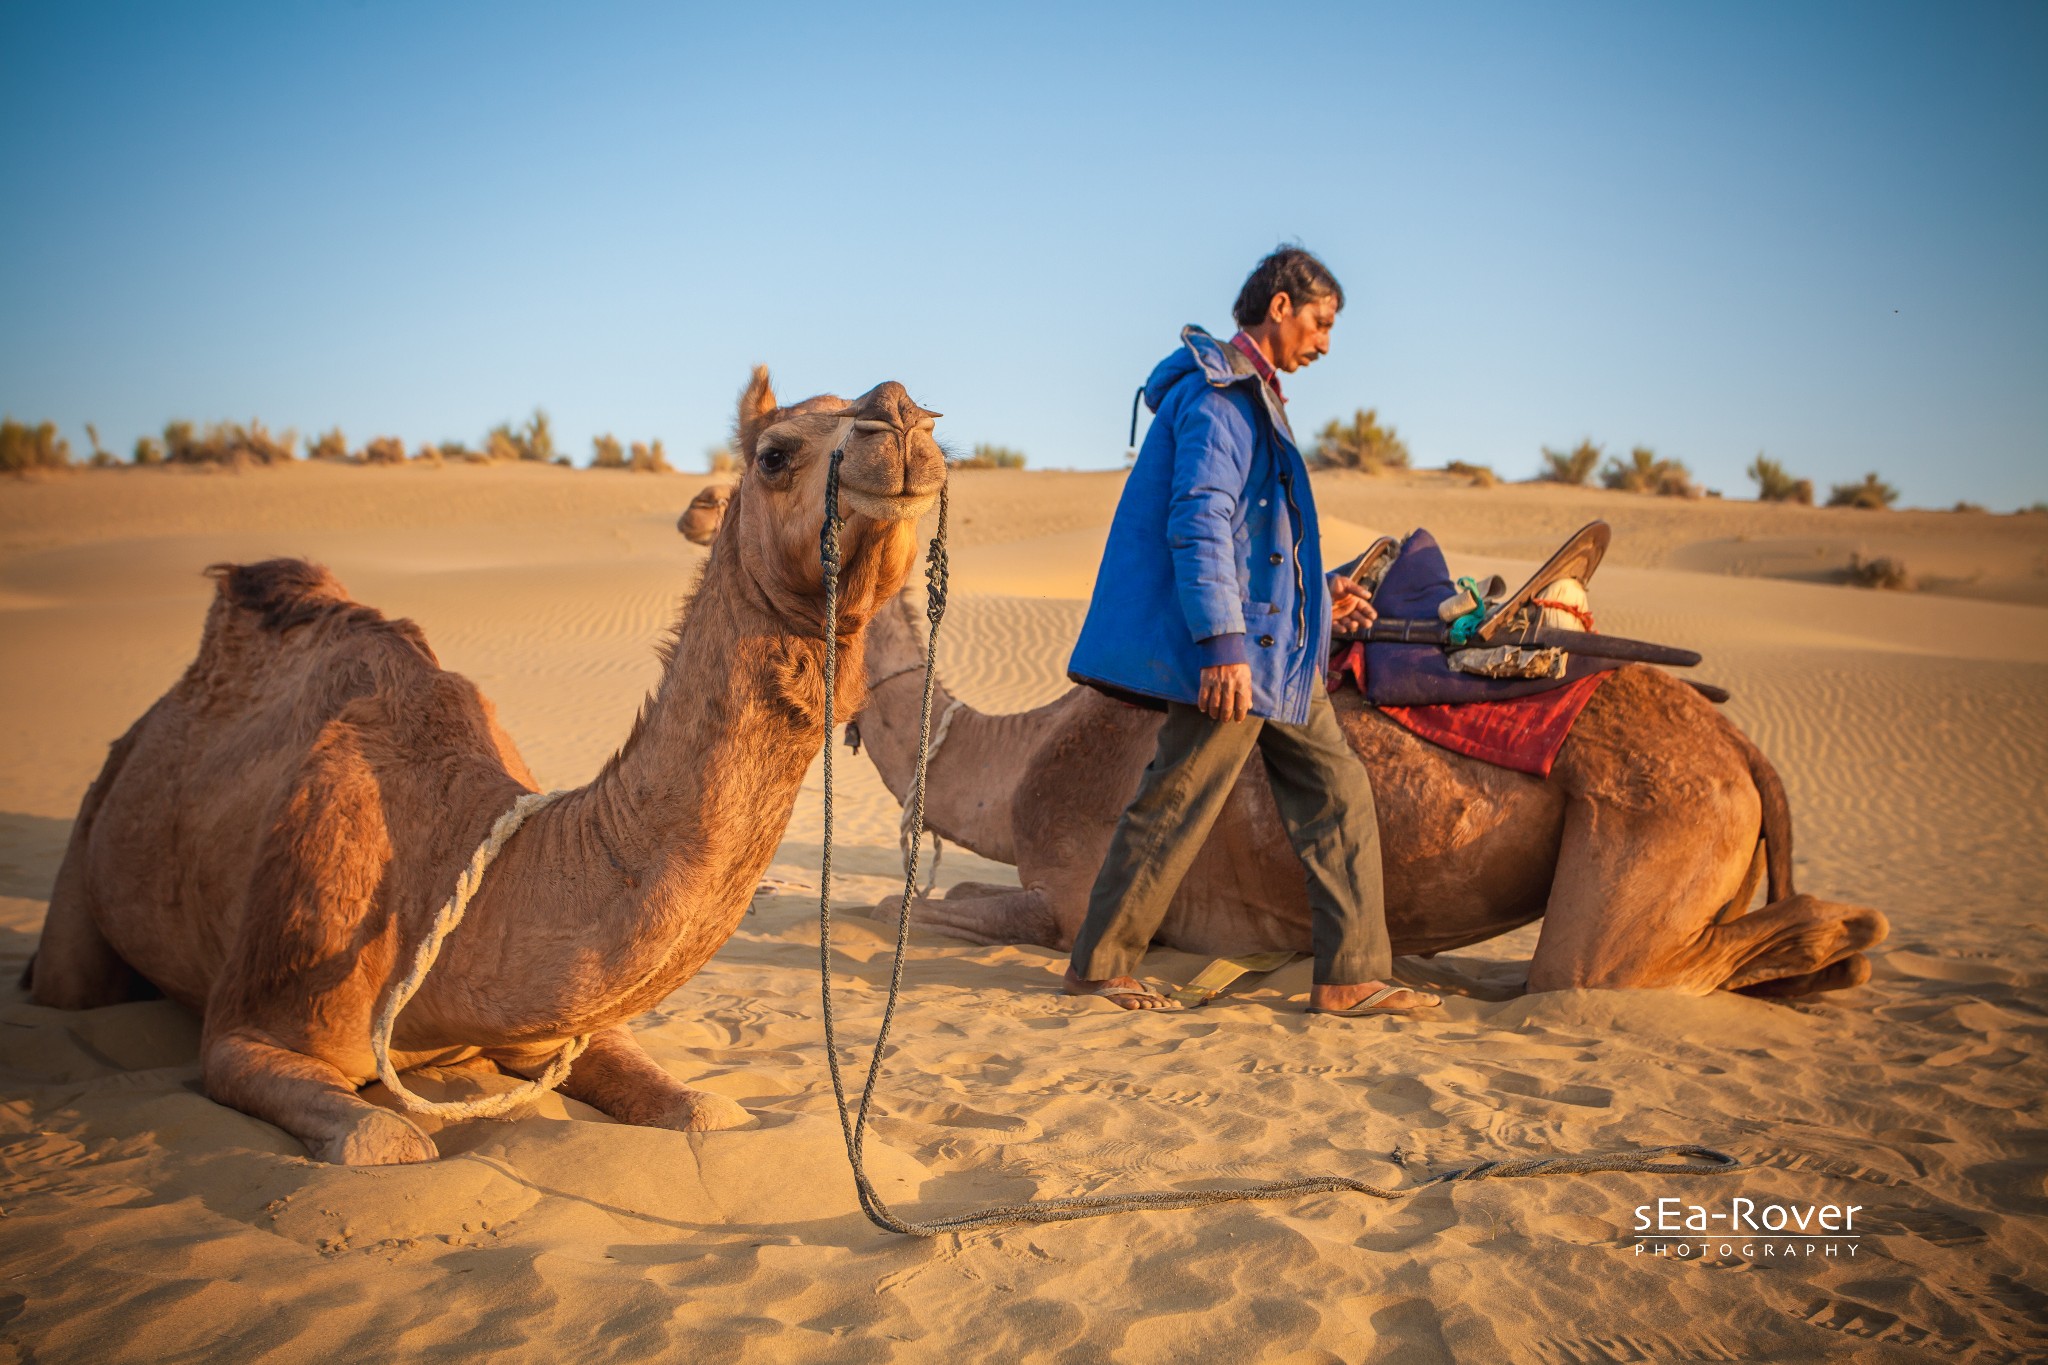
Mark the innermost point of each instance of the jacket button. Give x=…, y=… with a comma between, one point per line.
x=1276, y=557
x=1266, y=640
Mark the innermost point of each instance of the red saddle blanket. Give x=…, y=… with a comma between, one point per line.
x=1524, y=733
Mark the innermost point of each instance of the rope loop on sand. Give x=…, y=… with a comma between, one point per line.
x=445, y=922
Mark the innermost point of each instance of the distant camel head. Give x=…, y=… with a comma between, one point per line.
x=890, y=476
x=699, y=521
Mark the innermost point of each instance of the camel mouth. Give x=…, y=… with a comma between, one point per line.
x=887, y=506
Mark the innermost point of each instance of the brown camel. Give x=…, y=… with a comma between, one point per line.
x=269, y=842
x=1641, y=853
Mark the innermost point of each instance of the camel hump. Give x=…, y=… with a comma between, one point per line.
x=281, y=593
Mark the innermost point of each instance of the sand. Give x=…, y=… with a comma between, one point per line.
x=142, y=1221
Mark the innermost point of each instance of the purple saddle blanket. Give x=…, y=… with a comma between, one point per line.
x=1421, y=675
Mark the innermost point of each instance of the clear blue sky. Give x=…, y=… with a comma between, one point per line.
x=1814, y=230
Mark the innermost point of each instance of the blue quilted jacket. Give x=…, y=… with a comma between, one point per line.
x=1213, y=556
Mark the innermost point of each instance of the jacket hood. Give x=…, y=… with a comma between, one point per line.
x=1219, y=362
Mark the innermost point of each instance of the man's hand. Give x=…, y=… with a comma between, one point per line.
x=1350, y=605
x=1226, y=692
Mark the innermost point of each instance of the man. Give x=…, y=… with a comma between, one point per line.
x=1212, y=602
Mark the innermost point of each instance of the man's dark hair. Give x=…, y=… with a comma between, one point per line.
x=1292, y=271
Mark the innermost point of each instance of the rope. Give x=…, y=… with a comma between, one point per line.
x=1584, y=615
x=445, y=922
x=1692, y=1159
x=903, y=830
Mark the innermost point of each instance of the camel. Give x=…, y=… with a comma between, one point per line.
x=269, y=842
x=700, y=521
x=1641, y=853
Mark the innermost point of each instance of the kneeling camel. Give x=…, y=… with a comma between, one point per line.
x=270, y=841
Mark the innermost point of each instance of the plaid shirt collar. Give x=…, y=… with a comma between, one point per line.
x=1259, y=363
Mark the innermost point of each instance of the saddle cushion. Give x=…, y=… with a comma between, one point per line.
x=1420, y=675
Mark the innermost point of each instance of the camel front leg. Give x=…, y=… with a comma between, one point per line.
x=616, y=1076
x=982, y=913
x=246, y=1069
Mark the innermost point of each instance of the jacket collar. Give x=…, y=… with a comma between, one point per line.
x=1223, y=365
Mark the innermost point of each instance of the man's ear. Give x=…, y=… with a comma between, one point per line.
x=1280, y=307
x=757, y=404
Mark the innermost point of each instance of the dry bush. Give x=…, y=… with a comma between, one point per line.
x=1773, y=484
x=607, y=453
x=987, y=456
x=329, y=445
x=1645, y=473
x=1574, y=466
x=429, y=455
x=1482, y=475
x=720, y=460
x=384, y=450
x=148, y=450
x=534, y=441
x=649, y=458
x=1873, y=493
x=1881, y=572
x=24, y=447
x=1976, y=507
x=501, y=446
x=1362, y=444
x=227, y=444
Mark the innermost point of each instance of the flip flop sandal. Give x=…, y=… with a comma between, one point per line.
x=1375, y=1004
x=1213, y=979
x=1138, y=992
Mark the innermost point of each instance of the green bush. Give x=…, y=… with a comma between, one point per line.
x=1645, y=473
x=1873, y=493
x=1773, y=484
x=24, y=447
x=987, y=456
x=1362, y=444
x=1573, y=466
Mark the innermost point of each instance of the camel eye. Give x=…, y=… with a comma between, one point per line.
x=772, y=460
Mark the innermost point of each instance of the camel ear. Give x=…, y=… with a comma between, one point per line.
x=757, y=404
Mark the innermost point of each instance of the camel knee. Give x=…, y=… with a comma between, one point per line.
x=309, y=1098
x=616, y=1077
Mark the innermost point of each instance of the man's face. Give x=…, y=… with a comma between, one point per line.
x=1301, y=336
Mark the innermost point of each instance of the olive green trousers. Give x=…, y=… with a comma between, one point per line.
x=1325, y=802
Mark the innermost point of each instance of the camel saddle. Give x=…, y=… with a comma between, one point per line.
x=1410, y=578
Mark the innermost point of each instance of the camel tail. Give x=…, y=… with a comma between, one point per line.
x=1777, y=821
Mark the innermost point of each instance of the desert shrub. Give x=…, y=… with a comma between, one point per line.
x=720, y=460
x=1362, y=443
x=1645, y=473
x=24, y=447
x=607, y=453
x=1873, y=493
x=1573, y=466
x=1482, y=475
x=501, y=444
x=328, y=445
x=457, y=451
x=227, y=443
x=430, y=455
x=1773, y=484
x=1881, y=572
x=2035, y=510
x=148, y=450
x=986, y=456
x=649, y=458
x=384, y=450
x=1976, y=507
x=101, y=456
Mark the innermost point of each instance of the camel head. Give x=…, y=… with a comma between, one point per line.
x=699, y=521
x=890, y=476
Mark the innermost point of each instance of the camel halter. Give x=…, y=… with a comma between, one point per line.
x=854, y=1127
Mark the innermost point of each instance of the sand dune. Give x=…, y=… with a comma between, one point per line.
x=142, y=1221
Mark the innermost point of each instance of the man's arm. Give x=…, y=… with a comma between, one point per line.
x=1213, y=444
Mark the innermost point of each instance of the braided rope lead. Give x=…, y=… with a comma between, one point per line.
x=1683, y=1159
x=445, y=921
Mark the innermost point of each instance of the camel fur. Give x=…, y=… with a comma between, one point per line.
x=1642, y=852
x=269, y=842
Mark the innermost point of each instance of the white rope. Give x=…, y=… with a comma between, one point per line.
x=445, y=922
x=903, y=829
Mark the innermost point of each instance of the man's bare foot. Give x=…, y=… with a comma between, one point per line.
x=1126, y=992
x=1337, y=999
